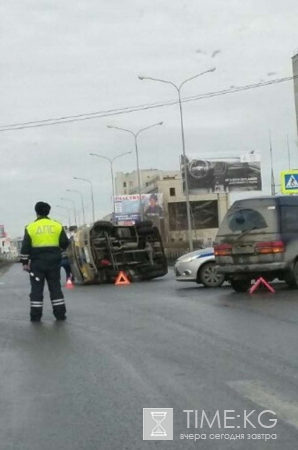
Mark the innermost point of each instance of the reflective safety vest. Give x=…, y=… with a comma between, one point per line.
x=44, y=233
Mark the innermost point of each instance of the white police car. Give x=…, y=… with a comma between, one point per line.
x=199, y=266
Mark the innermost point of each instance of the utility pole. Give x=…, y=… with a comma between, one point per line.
x=273, y=191
x=135, y=135
x=289, y=152
x=111, y=161
x=178, y=89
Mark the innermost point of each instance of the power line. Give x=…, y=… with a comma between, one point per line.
x=241, y=88
x=136, y=108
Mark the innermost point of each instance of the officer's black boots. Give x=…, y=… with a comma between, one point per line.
x=38, y=319
x=35, y=319
x=59, y=318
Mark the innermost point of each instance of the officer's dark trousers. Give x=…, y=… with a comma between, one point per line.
x=66, y=266
x=46, y=271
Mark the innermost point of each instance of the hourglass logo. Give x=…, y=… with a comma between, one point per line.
x=158, y=424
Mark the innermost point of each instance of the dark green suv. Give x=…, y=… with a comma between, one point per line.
x=259, y=238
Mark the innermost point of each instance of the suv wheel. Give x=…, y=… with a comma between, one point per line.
x=209, y=277
x=240, y=285
x=292, y=277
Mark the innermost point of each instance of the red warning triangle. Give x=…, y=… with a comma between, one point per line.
x=69, y=284
x=261, y=281
x=122, y=279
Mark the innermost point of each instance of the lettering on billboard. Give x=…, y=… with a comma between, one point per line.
x=222, y=175
x=127, y=207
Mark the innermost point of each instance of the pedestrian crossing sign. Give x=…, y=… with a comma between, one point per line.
x=289, y=182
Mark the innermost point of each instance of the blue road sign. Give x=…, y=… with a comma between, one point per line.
x=289, y=182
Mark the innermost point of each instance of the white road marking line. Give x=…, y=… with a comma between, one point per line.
x=267, y=398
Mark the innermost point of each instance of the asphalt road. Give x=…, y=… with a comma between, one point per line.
x=82, y=384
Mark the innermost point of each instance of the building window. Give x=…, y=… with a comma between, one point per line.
x=124, y=184
x=131, y=183
x=172, y=192
x=204, y=215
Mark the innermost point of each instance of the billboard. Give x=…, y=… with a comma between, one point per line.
x=2, y=231
x=289, y=182
x=222, y=174
x=127, y=207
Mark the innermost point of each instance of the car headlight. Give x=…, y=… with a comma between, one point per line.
x=191, y=258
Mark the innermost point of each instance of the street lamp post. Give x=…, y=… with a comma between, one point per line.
x=92, y=195
x=74, y=207
x=82, y=201
x=68, y=211
x=135, y=135
x=178, y=89
x=111, y=161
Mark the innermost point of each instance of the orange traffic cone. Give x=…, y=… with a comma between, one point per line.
x=69, y=284
x=122, y=279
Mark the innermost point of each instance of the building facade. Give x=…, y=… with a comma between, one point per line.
x=207, y=210
x=5, y=245
x=127, y=183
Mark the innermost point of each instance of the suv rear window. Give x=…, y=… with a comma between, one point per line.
x=246, y=219
x=289, y=219
x=250, y=216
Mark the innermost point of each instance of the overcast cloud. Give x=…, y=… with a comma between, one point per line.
x=62, y=58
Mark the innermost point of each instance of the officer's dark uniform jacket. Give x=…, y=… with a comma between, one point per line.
x=42, y=244
x=44, y=238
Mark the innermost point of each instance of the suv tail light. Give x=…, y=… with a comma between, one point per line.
x=264, y=248
x=223, y=250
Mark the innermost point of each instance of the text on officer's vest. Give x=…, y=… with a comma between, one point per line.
x=45, y=229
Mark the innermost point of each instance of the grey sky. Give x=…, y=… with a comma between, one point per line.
x=61, y=58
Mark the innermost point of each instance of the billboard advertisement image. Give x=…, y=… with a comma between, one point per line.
x=222, y=174
x=127, y=207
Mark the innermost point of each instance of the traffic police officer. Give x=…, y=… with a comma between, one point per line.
x=41, y=256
